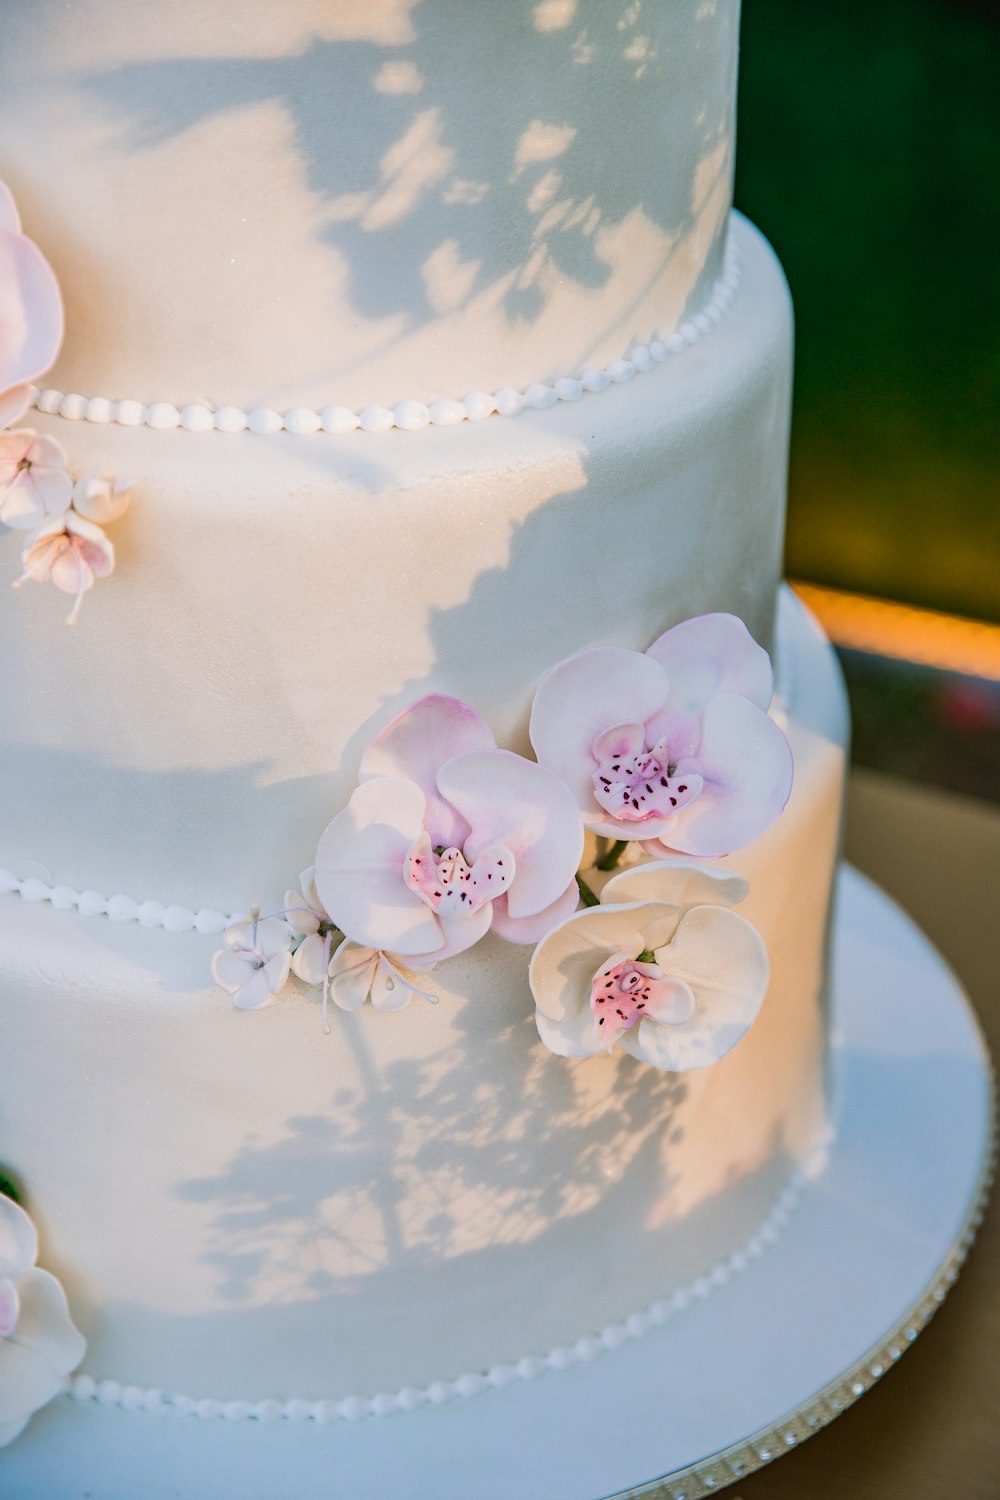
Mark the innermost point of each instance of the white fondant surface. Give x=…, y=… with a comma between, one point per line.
x=296, y=204
x=250, y=1208
x=277, y=600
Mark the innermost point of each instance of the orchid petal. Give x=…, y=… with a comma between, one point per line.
x=712, y=654
x=14, y=403
x=570, y=1036
x=524, y=807
x=677, y=881
x=31, y=312
x=360, y=863
x=461, y=933
x=27, y=1380
x=10, y=219
x=580, y=699
x=44, y=1323
x=619, y=743
x=746, y=764
x=532, y=929
x=563, y=965
x=352, y=970
x=18, y=1240
x=671, y=1001
x=417, y=744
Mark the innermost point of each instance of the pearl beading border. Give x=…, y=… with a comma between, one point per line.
x=408, y=415
x=106, y=1392
x=206, y=920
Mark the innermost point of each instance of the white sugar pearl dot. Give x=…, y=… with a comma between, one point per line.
x=702, y=322
x=660, y=1312
x=530, y=1367
x=680, y=1299
x=197, y=418
x=82, y=1387
x=659, y=351
x=702, y=1288
x=151, y=914
x=595, y=380
x=509, y=402
x=131, y=1398
x=263, y=420
x=376, y=419
x=621, y=370
x=689, y=333
x=99, y=409
x=237, y=1411
x=384, y=1404
x=470, y=1385
x=714, y=313
x=33, y=890
x=614, y=1336
x=339, y=419
x=210, y=922
x=153, y=1401
x=162, y=416
x=91, y=904
x=719, y=1275
x=298, y=1411
x=642, y=358
x=479, y=404
x=209, y=1409
x=185, y=1406
x=560, y=1359
x=130, y=413
x=410, y=1399
x=675, y=342
x=325, y=1412
x=178, y=919
x=353, y=1409
x=63, y=897
x=108, y=1392
x=540, y=396
x=73, y=406
x=302, y=421
x=447, y=413
x=8, y=882
x=49, y=401
x=637, y=1324
x=230, y=419
x=267, y=1411
x=501, y=1376
x=568, y=389
x=439, y=1392
x=587, y=1348
x=409, y=415
x=123, y=909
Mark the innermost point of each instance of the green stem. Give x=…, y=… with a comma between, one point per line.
x=586, y=894
x=614, y=854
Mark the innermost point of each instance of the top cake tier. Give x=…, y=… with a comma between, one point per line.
x=363, y=202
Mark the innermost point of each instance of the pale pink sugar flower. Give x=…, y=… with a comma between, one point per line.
x=69, y=552
x=359, y=974
x=101, y=497
x=445, y=837
x=31, y=313
x=253, y=966
x=673, y=747
x=34, y=484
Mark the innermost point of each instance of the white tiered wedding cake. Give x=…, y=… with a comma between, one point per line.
x=445, y=386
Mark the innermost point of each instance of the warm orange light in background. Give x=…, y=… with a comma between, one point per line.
x=904, y=633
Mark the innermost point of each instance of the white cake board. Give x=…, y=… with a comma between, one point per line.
x=769, y=1358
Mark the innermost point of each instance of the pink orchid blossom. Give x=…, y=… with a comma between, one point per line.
x=673, y=747
x=447, y=836
x=34, y=484
x=69, y=552
x=31, y=313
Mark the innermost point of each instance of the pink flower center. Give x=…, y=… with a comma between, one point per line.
x=640, y=785
x=449, y=884
x=10, y=1307
x=619, y=996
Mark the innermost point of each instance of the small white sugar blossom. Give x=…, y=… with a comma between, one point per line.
x=101, y=497
x=253, y=966
x=39, y=1345
x=359, y=974
x=34, y=484
x=306, y=916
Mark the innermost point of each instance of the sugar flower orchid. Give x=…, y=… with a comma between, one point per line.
x=447, y=836
x=101, y=497
x=253, y=966
x=672, y=747
x=39, y=1346
x=34, y=484
x=70, y=552
x=31, y=313
x=662, y=967
x=306, y=916
x=359, y=974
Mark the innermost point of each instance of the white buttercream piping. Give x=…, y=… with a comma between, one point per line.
x=408, y=415
x=84, y=1387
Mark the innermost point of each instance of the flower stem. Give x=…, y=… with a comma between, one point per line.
x=610, y=860
x=586, y=894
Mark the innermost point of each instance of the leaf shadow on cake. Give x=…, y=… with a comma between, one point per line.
x=467, y=183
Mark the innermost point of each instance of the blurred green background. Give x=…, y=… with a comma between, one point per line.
x=869, y=154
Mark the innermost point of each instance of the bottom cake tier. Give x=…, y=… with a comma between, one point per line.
x=242, y=1206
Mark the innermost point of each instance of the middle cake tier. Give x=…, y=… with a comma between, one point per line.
x=276, y=600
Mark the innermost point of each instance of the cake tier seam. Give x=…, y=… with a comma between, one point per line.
x=409, y=414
